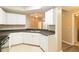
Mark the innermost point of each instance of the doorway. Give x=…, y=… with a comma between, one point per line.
x=76, y=28
x=77, y=25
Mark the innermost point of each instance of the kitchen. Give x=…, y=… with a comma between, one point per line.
x=27, y=27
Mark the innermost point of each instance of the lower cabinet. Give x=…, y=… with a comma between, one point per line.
x=52, y=43
x=36, y=39
x=27, y=38
x=38, y=42
x=44, y=43
x=31, y=38
x=15, y=38
x=28, y=42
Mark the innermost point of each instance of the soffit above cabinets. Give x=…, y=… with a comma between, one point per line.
x=26, y=9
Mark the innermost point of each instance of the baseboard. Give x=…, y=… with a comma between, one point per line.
x=67, y=42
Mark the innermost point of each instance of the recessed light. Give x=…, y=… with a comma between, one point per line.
x=77, y=14
x=36, y=16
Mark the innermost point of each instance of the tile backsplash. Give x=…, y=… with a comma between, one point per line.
x=51, y=27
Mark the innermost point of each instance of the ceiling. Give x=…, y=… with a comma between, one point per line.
x=35, y=9
x=71, y=8
x=26, y=9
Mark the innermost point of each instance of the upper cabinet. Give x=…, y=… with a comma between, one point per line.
x=49, y=17
x=12, y=18
x=2, y=16
x=16, y=19
x=49, y=20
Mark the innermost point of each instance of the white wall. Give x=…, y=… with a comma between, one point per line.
x=67, y=26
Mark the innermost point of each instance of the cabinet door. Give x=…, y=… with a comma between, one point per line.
x=15, y=18
x=31, y=38
x=15, y=38
x=36, y=39
x=11, y=18
x=49, y=17
x=44, y=43
x=27, y=38
x=21, y=19
x=52, y=43
x=2, y=16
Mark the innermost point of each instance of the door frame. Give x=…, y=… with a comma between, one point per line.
x=74, y=29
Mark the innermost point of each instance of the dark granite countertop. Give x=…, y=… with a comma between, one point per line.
x=42, y=31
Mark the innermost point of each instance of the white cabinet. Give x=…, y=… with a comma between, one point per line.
x=44, y=42
x=49, y=18
x=11, y=18
x=21, y=19
x=27, y=38
x=15, y=38
x=31, y=38
x=36, y=38
x=22, y=39
x=2, y=16
x=16, y=18
x=52, y=43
